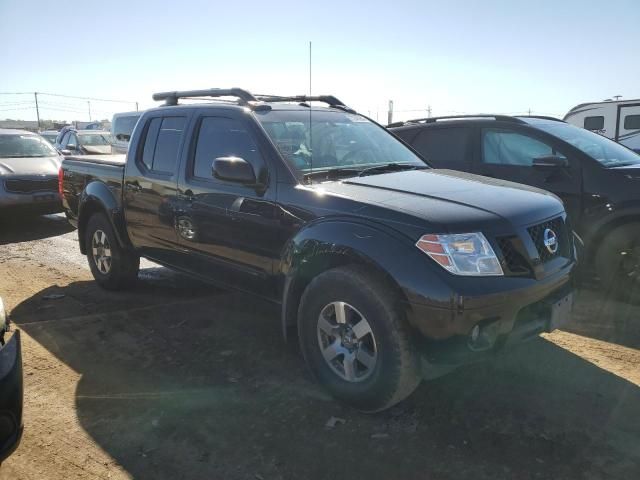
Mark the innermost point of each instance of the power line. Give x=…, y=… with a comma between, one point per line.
x=70, y=96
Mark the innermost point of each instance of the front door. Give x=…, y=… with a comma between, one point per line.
x=508, y=154
x=226, y=226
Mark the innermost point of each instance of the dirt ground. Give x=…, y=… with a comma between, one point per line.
x=178, y=380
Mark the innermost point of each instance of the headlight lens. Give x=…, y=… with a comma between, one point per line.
x=461, y=253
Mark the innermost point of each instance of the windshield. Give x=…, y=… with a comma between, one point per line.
x=25, y=146
x=609, y=153
x=95, y=139
x=336, y=140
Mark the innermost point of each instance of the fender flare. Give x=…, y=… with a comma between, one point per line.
x=622, y=214
x=98, y=197
x=326, y=244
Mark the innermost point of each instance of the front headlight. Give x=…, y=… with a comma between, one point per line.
x=461, y=253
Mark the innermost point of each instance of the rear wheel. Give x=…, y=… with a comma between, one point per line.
x=618, y=262
x=354, y=339
x=112, y=266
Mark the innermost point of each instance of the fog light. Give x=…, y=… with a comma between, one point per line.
x=475, y=333
x=483, y=335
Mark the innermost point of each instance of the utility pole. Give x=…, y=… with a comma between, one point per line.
x=35, y=94
x=390, y=116
x=137, y=107
x=89, y=105
x=428, y=111
x=529, y=111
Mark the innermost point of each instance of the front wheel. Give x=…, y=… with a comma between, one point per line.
x=618, y=261
x=112, y=266
x=354, y=338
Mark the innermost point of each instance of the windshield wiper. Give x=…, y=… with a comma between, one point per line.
x=390, y=167
x=332, y=173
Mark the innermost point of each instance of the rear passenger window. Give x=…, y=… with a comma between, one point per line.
x=593, y=123
x=162, y=144
x=632, y=122
x=222, y=137
x=504, y=147
x=445, y=147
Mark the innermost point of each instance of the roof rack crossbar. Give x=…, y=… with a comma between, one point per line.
x=171, y=98
x=328, y=99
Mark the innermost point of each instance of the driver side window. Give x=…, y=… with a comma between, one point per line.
x=223, y=137
x=504, y=147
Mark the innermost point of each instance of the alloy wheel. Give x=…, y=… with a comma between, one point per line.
x=346, y=342
x=101, y=251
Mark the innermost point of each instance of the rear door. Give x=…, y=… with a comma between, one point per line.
x=508, y=153
x=150, y=185
x=445, y=147
x=628, y=128
x=230, y=228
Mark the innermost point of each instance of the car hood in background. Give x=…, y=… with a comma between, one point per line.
x=451, y=198
x=30, y=165
x=98, y=149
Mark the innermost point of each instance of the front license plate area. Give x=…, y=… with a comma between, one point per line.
x=560, y=312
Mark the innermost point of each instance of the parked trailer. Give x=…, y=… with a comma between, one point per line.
x=617, y=120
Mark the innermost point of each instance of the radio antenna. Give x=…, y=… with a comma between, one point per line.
x=310, y=124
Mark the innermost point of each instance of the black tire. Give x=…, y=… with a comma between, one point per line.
x=123, y=266
x=396, y=372
x=617, y=262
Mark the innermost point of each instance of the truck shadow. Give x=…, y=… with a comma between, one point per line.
x=14, y=229
x=179, y=382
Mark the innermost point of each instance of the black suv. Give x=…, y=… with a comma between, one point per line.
x=390, y=270
x=597, y=179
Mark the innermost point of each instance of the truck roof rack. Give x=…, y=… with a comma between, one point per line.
x=171, y=98
x=328, y=99
x=503, y=118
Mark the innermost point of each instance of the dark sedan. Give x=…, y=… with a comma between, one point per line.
x=29, y=168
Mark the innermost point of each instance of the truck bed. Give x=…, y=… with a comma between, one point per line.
x=115, y=160
x=82, y=170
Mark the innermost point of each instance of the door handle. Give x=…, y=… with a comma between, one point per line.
x=134, y=186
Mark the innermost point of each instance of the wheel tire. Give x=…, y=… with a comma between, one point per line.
x=395, y=374
x=617, y=262
x=121, y=271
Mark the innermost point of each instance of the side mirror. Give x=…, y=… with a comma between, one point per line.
x=550, y=162
x=72, y=147
x=233, y=169
x=65, y=151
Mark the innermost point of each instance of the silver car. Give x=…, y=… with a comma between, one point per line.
x=29, y=168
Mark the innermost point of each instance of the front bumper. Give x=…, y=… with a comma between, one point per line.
x=38, y=202
x=11, y=395
x=446, y=335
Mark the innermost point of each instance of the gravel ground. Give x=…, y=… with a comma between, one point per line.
x=176, y=379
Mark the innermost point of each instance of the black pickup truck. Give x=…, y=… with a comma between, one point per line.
x=390, y=271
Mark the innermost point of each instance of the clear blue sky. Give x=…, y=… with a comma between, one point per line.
x=457, y=56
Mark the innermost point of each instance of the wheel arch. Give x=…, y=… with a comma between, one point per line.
x=97, y=198
x=328, y=245
x=600, y=230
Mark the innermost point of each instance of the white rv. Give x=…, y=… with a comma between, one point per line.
x=618, y=120
x=122, y=124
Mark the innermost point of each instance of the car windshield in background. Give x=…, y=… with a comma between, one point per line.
x=337, y=140
x=609, y=153
x=49, y=137
x=95, y=139
x=13, y=146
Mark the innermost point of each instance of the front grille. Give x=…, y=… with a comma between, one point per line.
x=557, y=225
x=23, y=185
x=514, y=262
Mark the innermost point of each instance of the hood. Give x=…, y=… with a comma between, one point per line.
x=97, y=149
x=455, y=201
x=30, y=165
